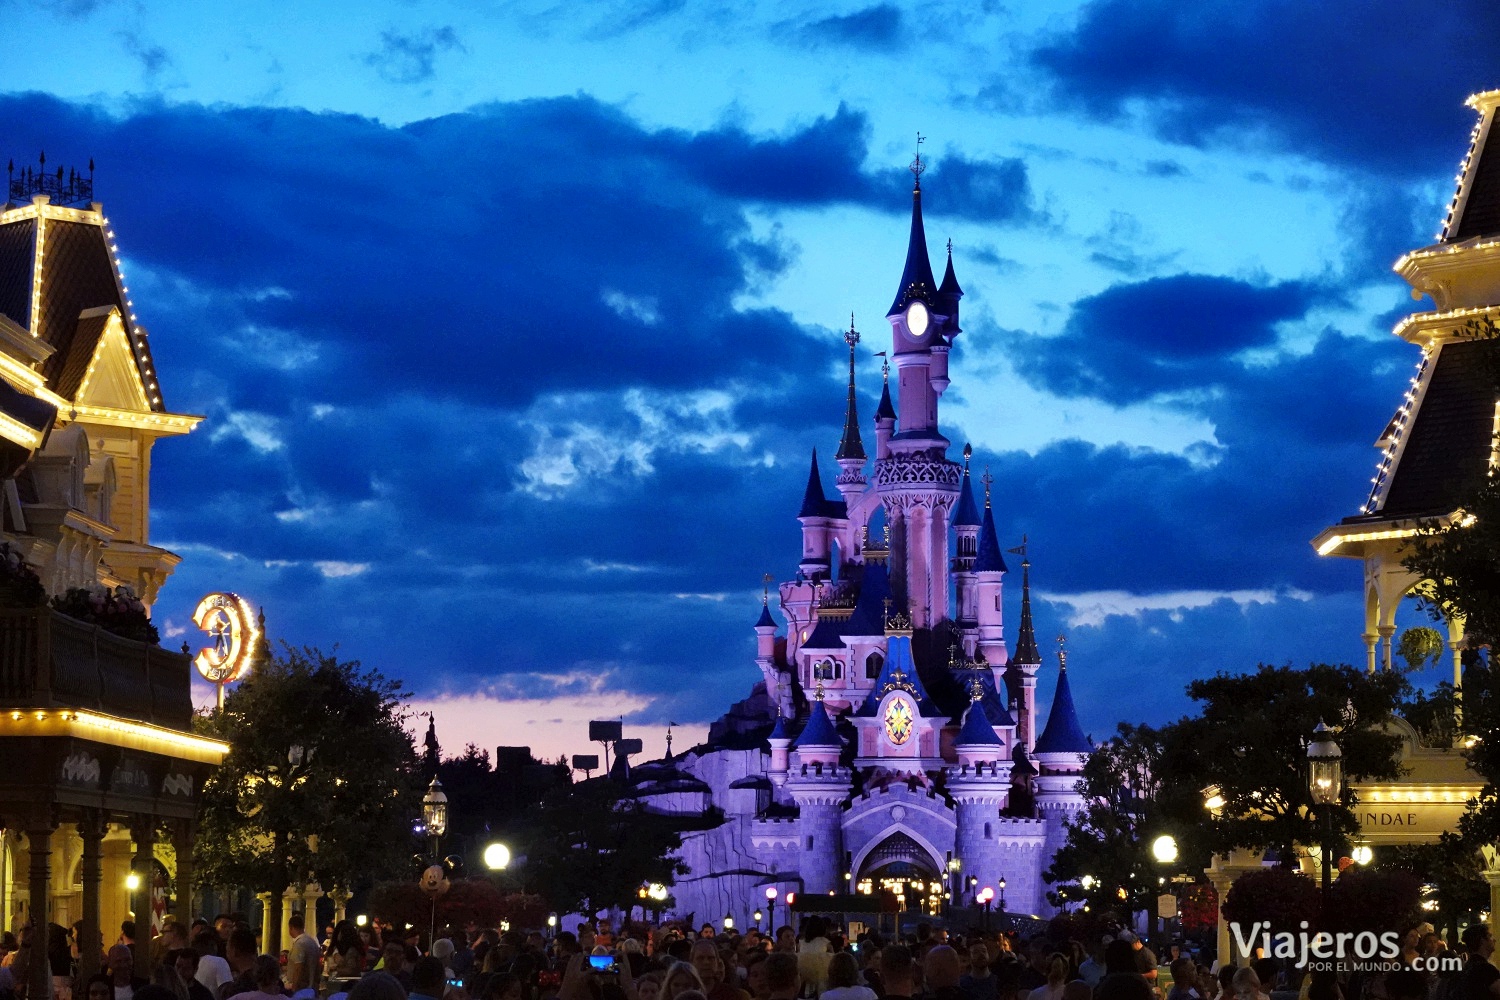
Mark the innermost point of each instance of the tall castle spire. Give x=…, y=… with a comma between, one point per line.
x=1026, y=650
x=916, y=278
x=850, y=447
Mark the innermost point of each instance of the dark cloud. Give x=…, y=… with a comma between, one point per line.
x=1136, y=341
x=153, y=58
x=411, y=57
x=1311, y=78
x=879, y=27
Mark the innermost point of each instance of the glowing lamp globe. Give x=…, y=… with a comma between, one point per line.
x=497, y=857
x=1164, y=849
x=1325, y=767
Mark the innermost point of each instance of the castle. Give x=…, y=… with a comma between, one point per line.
x=892, y=747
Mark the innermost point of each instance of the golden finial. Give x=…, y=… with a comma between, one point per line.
x=976, y=690
x=852, y=337
x=1062, y=652
x=765, y=591
x=968, y=454
x=818, y=691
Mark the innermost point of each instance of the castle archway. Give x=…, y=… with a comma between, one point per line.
x=903, y=867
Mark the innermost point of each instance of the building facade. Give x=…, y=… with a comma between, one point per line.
x=893, y=745
x=102, y=772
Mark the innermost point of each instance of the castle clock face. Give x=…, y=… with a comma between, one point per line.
x=917, y=319
x=898, y=720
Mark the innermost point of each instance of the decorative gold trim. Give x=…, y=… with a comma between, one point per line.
x=114, y=731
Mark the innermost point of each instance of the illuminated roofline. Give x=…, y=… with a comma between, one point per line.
x=1331, y=539
x=160, y=423
x=1410, y=328
x=100, y=728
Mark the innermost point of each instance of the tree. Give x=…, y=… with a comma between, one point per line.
x=1280, y=898
x=320, y=782
x=475, y=900
x=1454, y=869
x=1370, y=899
x=1249, y=744
x=1133, y=795
x=589, y=847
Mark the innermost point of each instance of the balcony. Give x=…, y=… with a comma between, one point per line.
x=50, y=660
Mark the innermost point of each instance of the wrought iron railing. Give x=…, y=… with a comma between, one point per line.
x=69, y=188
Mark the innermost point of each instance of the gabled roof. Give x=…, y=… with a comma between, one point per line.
x=77, y=275
x=819, y=731
x=1063, y=734
x=989, y=558
x=1447, y=441
x=1475, y=209
x=898, y=673
x=916, y=277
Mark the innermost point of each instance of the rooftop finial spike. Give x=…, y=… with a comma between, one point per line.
x=850, y=446
x=1062, y=652
x=917, y=166
x=986, y=479
x=968, y=454
x=765, y=591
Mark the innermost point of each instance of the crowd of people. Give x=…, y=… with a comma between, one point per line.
x=222, y=960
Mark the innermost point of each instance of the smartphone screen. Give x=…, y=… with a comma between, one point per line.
x=603, y=963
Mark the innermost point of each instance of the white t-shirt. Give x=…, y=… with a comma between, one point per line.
x=125, y=992
x=848, y=993
x=304, y=951
x=213, y=972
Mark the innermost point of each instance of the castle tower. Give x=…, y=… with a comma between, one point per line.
x=779, y=741
x=765, y=650
x=1060, y=753
x=966, y=525
x=817, y=526
x=988, y=570
x=980, y=785
x=1440, y=443
x=851, y=453
x=917, y=484
x=1021, y=677
x=819, y=787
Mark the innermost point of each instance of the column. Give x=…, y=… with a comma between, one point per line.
x=39, y=842
x=143, y=833
x=291, y=899
x=1386, y=634
x=311, y=893
x=90, y=939
x=182, y=846
x=1371, y=640
x=114, y=901
x=1492, y=876
x=340, y=897
x=1221, y=883
x=265, y=918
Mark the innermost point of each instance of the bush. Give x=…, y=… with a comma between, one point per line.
x=1277, y=896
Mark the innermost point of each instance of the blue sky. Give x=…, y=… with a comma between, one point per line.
x=514, y=324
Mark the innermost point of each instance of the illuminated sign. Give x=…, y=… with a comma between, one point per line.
x=231, y=626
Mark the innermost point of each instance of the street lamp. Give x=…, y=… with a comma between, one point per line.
x=132, y=882
x=435, y=814
x=758, y=917
x=1164, y=849
x=1002, y=893
x=728, y=922
x=1325, y=778
x=497, y=857
x=552, y=924
x=771, y=907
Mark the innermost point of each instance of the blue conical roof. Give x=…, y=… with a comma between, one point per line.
x=989, y=559
x=886, y=410
x=850, y=447
x=949, y=293
x=813, y=500
x=1023, y=768
x=778, y=732
x=916, y=277
x=967, y=514
x=1026, y=650
x=976, y=730
x=765, y=617
x=819, y=731
x=1063, y=734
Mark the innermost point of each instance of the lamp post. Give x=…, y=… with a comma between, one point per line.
x=728, y=923
x=1325, y=777
x=435, y=815
x=1002, y=894
x=771, y=906
x=759, y=916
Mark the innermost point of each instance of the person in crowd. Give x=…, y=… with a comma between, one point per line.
x=302, y=955
x=1480, y=979
x=172, y=937
x=941, y=971
x=709, y=964
x=165, y=984
x=1077, y=989
x=346, y=952
x=979, y=983
x=843, y=980
x=1246, y=985
x=813, y=953
x=213, y=970
x=185, y=961
x=1057, y=977
x=648, y=987
x=1184, y=980
x=239, y=952
x=100, y=987
x=897, y=972
x=786, y=940
x=782, y=979
x=428, y=979
x=1123, y=986
x=1091, y=969
x=264, y=973
x=680, y=976
x=377, y=986
x=120, y=964
x=755, y=976
x=60, y=958
x=504, y=986
x=393, y=963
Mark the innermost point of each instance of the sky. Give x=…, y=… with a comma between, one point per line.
x=514, y=324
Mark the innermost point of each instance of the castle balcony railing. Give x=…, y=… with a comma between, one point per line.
x=49, y=660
